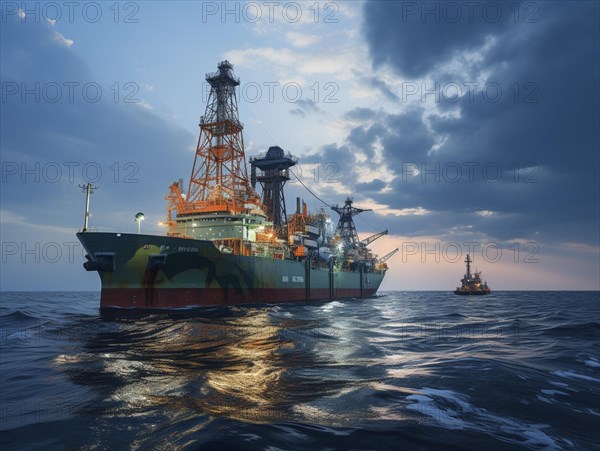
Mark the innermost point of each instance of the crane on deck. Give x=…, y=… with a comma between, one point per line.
x=372, y=238
x=382, y=265
x=388, y=256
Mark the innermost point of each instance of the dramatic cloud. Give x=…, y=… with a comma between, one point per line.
x=452, y=121
x=521, y=150
x=417, y=37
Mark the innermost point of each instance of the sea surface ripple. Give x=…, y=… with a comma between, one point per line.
x=403, y=370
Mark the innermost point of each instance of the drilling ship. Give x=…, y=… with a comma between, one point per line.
x=471, y=284
x=226, y=245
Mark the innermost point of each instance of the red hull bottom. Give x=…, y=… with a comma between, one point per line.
x=148, y=298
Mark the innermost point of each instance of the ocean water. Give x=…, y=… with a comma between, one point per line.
x=403, y=370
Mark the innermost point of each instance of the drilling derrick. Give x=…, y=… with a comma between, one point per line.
x=221, y=244
x=219, y=180
x=274, y=173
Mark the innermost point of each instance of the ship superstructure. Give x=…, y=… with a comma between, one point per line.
x=224, y=243
x=471, y=283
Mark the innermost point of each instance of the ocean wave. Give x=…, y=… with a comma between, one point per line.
x=39, y=331
x=583, y=330
x=400, y=371
x=574, y=375
x=452, y=410
x=17, y=315
x=592, y=362
x=455, y=315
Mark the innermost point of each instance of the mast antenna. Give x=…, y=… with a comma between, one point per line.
x=88, y=189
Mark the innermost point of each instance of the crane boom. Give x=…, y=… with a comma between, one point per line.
x=372, y=238
x=388, y=256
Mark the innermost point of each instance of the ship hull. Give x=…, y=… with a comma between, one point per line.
x=471, y=292
x=150, y=272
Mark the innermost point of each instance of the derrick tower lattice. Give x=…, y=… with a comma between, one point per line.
x=219, y=179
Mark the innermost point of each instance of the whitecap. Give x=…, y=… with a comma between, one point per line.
x=536, y=437
x=592, y=363
x=21, y=335
x=426, y=406
x=478, y=419
x=331, y=305
x=553, y=392
x=572, y=375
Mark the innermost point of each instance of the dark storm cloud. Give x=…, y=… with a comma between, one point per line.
x=361, y=114
x=364, y=138
x=341, y=160
x=407, y=139
x=546, y=116
x=415, y=37
x=137, y=152
x=370, y=187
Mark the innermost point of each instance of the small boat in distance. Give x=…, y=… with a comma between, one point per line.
x=471, y=283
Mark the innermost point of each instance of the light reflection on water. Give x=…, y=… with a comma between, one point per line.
x=231, y=368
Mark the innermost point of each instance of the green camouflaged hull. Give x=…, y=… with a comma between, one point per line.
x=149, y=271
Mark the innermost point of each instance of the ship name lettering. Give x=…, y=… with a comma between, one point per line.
x=187, y=249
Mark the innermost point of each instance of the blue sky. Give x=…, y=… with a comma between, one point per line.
x=465, y=128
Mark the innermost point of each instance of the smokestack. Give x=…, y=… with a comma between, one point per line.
x=297, y=205
x=304, y=210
